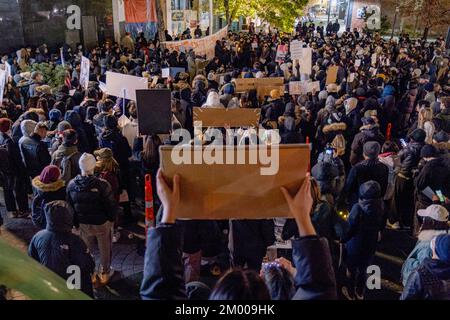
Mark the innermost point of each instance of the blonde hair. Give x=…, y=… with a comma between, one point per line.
x=425, y=114
x=106, y=165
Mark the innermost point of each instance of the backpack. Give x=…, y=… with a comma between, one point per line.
x=68, y=168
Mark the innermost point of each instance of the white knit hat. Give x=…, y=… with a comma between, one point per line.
x=87, y=162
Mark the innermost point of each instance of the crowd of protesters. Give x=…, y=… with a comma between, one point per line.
x=380, y=154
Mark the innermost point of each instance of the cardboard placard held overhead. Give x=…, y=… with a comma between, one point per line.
x=332, y=74
x=245, y=84
x=117, y=83
x=278, y=81
x=218, y=117
x=224, y=191
x=262, y=91
x=154, y=112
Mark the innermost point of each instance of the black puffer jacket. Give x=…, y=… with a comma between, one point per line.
x=34, y=154
x=409, y=158
x=57, y=247
x=92, y=199
x=430, y=281
x=362, y=172
x=368, y=133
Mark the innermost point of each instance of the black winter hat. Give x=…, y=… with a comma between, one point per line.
x=418, y=135
x=428, y=151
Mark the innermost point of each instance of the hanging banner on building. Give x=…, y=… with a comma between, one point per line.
x=202, y=46
x=84, y=72
x=140, y=16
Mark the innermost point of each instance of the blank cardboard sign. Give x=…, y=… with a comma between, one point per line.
x=154, y=113
x=218, y=117
x=225, y=191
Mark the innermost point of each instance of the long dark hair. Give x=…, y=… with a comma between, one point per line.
x=150, y=153
x=240, y=284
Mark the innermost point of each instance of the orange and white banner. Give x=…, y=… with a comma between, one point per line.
x=202, y=46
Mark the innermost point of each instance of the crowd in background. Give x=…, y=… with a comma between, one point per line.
x=380, y=151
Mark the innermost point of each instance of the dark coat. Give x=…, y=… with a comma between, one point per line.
x=57, y=247
x=430, y=281
x=362, y=172
x=15, y=159
x=163, y=267
x=368, y=133
x=45, y=193
x=163, y=277
x=409, y=158
x=250, y=238
x=75, y=121
x=436, y=175
x=114, y=140
x=321, y=218
x=365, y=221
x=92, y=200
x=315, y=279
x=34, y=154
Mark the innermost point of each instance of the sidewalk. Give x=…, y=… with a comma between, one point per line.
x=126, y=260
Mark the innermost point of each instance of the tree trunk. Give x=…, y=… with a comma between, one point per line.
x=226, y=4
x=425, y=33
x=161, y=21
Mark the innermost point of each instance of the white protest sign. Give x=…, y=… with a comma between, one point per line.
x=357, y=62
x=124, y=86
x=373, y=60
x=2, y=84
x=84, y=72
x=8, y=70
x=165, y=72
x=296, y=49
x=62, y=57
x=299, y=87
x=306, y=61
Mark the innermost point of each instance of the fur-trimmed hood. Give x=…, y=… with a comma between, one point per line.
x=442, y=145
x=339, y=126
x=50, y=187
